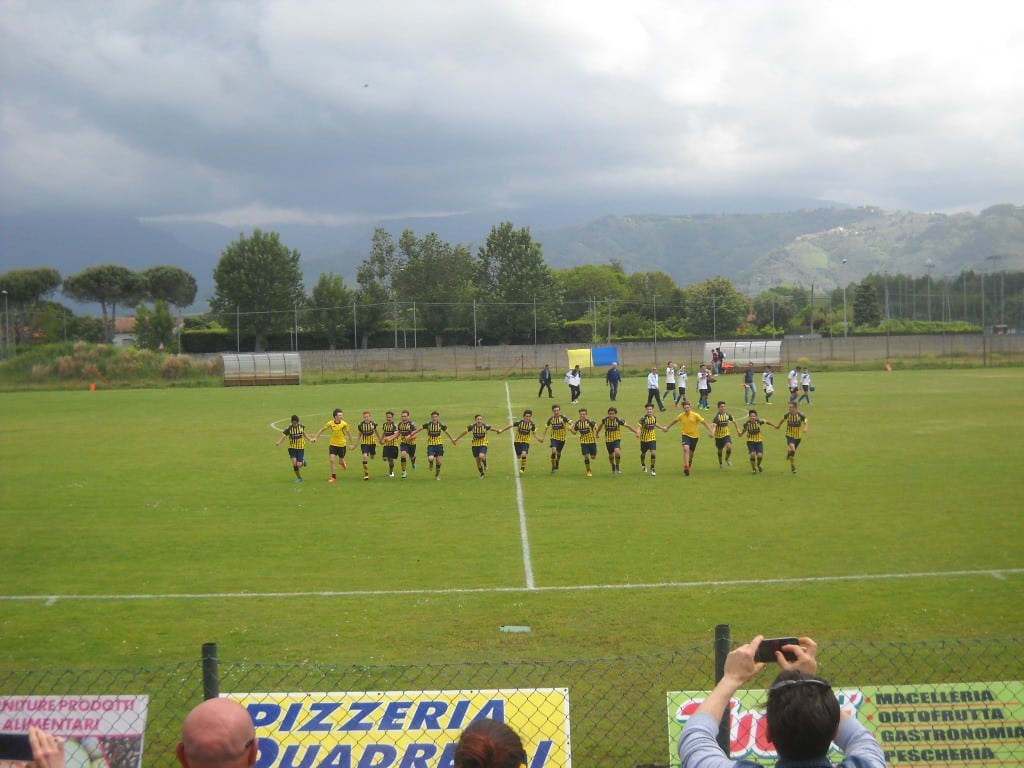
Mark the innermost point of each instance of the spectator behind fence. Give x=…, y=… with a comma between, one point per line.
x=218, y=732
x=488, y=743
x=802, y=713
x=47, y=750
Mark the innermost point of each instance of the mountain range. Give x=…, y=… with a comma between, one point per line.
x=752, y=242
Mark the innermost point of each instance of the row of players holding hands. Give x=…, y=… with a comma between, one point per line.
x=398, y=438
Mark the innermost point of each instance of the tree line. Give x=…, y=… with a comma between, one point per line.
x=505, y=292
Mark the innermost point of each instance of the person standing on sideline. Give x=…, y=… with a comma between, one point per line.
x=723, y=422
x=768, y=384
x=681, y=384
x=558, y=424
x=297, y=437
x=805, y=385
x=614, y=378
x=586, y=428
x=793, y=380
x=654, y=388
x=545, y=381
x=648, y=442
x=689, y=421
x=339, y=441
x=703, y=386
x=407, y=442
x=435, y=443
x=478, y=443
x=575, y=381
x=670, y=381
x=369, y=436
x=796, y=428
x=612, y=426
x=749, y=385
x=755, y=439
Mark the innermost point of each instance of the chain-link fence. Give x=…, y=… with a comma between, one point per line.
x=617, y=707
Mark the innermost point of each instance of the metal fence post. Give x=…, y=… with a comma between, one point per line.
x=211, y=672
x=722, y=642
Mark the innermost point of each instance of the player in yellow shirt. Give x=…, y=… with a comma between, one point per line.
x=389, y=441
x=368, y=439
x=796, y=428
x=523, y=430
x=339, y=430
x=435, y=442
x=689, y=423
x=612, y=425
x=478, y=442
x=297, y=437
x=558, y=424
x=586, y=428
x=407, y=442
x=648, y=442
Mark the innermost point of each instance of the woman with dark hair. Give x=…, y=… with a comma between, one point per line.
x=488, y=743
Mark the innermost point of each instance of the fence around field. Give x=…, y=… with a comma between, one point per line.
x=864, y=352
x=618, y=708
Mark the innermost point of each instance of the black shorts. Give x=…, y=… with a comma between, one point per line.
x=389, y=452
x=337, y=450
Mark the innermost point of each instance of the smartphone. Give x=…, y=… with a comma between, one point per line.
x=15, y=746
x=766, y=650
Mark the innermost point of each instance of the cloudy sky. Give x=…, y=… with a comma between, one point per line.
x=253, y=112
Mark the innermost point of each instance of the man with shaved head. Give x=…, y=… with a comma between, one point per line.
x=218, y=732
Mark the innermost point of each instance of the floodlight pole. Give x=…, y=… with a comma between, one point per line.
x=7, y=328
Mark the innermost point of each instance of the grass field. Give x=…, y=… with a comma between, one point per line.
x=139, y=524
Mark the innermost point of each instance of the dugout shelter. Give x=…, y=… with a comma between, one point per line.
x=262, y=369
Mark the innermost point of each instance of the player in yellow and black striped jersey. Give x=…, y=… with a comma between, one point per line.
x=407, y=441
x=755, y=439
x=522, y=430
x=586, y=429
x=723, y=422
x=612, y=425
x=648, y=441
x=796, y=428
x=296, y=435
x=435, y=442
x=478, y=441
x=389, y=441
x=368, y=437
x=338, y=447
x=558, y=424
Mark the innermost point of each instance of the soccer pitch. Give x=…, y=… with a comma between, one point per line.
x=139, y=524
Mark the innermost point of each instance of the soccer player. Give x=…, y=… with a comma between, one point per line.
x=648, y=442
x=703, y=386
x=586, y=428
x=612, y=426
x=525, y=428
x=793, y=380
x=689, y=421
x=796, y=428
x=805, y=385
x=755, y=439
x=478, y=443
x=558, y=425
x=368, y=439
x=339, y=441
x=389, y=441
x=297, y=437
x=435, y=442
x=407, y=442
x=670, y=381
x=683, y=379
x=768, y=384
x=723, y=438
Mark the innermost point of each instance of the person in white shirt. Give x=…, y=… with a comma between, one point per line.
x=794, y=384
x=654, y=388
x=681, y=383
x=670, y=380
x=703, y=386
x=768, y=383
x=575, y=381
x=805, y=385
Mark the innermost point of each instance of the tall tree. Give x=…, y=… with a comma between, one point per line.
x=108, y=285
x=154, y=328
x=376, y=276
x=26, y=291
x=438, y=277
x=867, y=305
x=172, y=284
x=714, y=308
x=259, y=281
x=773, y=308
x=519, y=285
x=330, y=313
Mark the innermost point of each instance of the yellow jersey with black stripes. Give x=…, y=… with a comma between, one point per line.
x=721, y=422
x=296, y=435
x=586, y=429
x=752, y=430
x=389, y=433
x=558, y=424
x=648, y=423
x=367, y=432
x=794, y=424
x=523, y=430
x=612, y=426
x=406, y=428
x=479, y=433
x=435, y=432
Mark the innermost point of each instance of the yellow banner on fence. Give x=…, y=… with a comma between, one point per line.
x=581, y=357
x=396, y=728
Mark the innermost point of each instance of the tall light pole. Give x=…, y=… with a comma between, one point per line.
x=929, y=265
x=7, y=328
x=844, y=301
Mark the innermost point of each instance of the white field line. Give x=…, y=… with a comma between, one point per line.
x=523, y=535
x=995, y=573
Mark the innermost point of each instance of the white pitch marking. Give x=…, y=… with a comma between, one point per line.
x=996, y=573
x=523, y=535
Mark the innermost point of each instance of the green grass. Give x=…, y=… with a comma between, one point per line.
x=176, y=493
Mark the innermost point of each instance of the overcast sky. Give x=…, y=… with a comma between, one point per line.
x=258, y=112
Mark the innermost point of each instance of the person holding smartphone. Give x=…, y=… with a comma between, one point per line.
x=802, y=712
